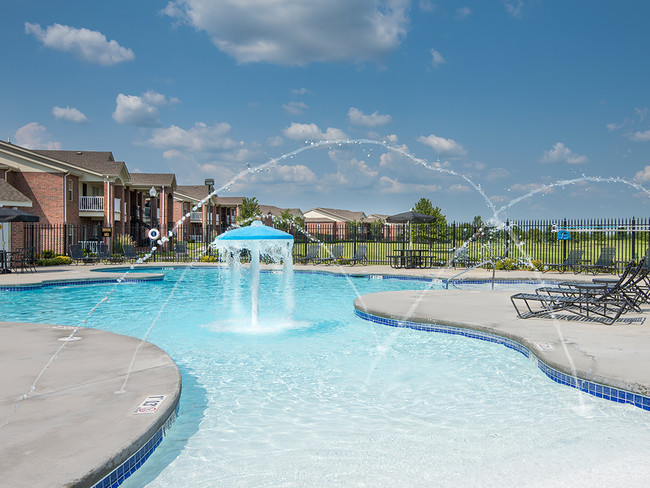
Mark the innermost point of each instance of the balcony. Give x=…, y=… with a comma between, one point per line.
x=91, y=204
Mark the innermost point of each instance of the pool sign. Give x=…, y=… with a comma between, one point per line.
x=563, y=235
x=150, y=404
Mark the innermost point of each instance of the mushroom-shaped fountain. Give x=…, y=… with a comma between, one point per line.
x=259, y=240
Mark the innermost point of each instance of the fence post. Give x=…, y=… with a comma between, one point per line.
x=564, y=242
x=633, y=239
x=453, y=241
x=65, y=239
x=507, y=238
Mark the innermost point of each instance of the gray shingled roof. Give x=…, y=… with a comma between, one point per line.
x=196, y=192
x=97, y=161
x=10, y=196
x=229, y=200
x=343, y=215
x=153, y=179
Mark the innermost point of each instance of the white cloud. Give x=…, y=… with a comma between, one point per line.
x=295, y=108
x=497, y=174
x=463, y=12
x=311, y=132
x=514, y=8
x=357, y=117
x=275, y=141
x=642, y=113
x=300, y=91
x=441, y=146
x=297, y=33
x=140, y=111
x=351, y=172
x=562, y=154
x=87, y=45
x=70, y=114
x=201, y=138
x=298, y=174
x=643, y=175
x=437, y=58
x=34, y=136
x=639, y=136
x=427, y=6
x=459, y=189
x=393, y=186
x=530, y=187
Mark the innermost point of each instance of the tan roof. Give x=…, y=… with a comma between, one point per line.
x=229, y=201
x=335, y=214
x=277, y=211
x=97, y=161
x=9, y=196
x=375, y=218
x=153, y=179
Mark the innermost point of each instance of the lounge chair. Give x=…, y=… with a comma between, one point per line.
x=312, y=252
x=605, y=262
x=602, y=302
x=78, y=256
x=128, y=251
x=334, y=254
x=359, y=256
x=573, y=262
x=180, y=251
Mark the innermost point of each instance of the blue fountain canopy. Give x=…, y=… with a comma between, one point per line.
x=257, y=231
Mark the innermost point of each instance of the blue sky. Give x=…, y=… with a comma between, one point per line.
x=501, y=96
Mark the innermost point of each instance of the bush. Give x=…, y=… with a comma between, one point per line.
x=209, y=259
x=54, y=261
x=120, y=241
x=47, y=254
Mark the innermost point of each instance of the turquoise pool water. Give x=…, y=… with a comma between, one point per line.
x=327, y=399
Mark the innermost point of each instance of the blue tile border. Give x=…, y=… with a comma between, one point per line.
x=596, y=389
x=99, y=281
x=127, y=468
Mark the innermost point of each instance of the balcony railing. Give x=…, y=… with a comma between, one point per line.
x=91, y=204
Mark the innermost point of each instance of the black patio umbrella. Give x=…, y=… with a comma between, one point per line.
x=409, y=218
x=13, y=215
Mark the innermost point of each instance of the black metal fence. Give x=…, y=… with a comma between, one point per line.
x=548, y=241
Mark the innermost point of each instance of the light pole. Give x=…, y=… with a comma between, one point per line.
x=209, y=182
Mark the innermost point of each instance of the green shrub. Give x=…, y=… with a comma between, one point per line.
x=120, y=241
x=209, y=259
x=47, y=254
x=507, y=264
x=54, y=261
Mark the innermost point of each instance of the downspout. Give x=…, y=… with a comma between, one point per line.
x=65, y=196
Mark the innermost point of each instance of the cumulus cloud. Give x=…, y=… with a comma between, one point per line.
x=297, y=33
x=140, y=111
x=298, y=174
x=643, y=175
x=442, y=146
x=357, y=117
x=87, y=45
x=70, y=114
x=34, y=136
x=295, y=108
x=497, y=174
x=201, y=138
x=562, y=154
x=393, y=186
x=459, y=189
x=514, y=8
x=311, y=132
x=437, y=58
x=639, y=136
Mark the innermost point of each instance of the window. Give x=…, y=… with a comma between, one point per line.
x=70, y=190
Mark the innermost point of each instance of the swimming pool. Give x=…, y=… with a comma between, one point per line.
x=329, y=399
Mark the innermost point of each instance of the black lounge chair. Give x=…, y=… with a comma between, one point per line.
x=128, y=251
x=602, y=302
x=605, y=261
x=180, y=251
x=312, y=252
x=78, y=256
x=573, y=262
x=359, y=256
x=334, y=254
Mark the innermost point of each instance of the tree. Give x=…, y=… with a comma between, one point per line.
x=287, y=221
x=424, y=206
x=250, y=209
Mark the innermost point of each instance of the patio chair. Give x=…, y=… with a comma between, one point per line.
x=573, y=262
x=128, y=251
x=312, y=252
x=180, y=251
x=78, y=256
x=23, y=259
x=605, y=262
x=359, y=256
x=334, y=254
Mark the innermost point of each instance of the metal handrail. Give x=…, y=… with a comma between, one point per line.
x=492, y=260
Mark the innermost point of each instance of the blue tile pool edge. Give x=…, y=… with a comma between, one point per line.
x=118, y=475
x=90, y=281
x=596, y=389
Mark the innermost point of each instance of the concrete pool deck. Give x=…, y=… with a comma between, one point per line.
x=74, y=427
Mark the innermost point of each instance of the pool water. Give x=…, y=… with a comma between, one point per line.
x=327, y=399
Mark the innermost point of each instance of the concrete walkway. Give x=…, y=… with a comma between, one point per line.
x=74, y=427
